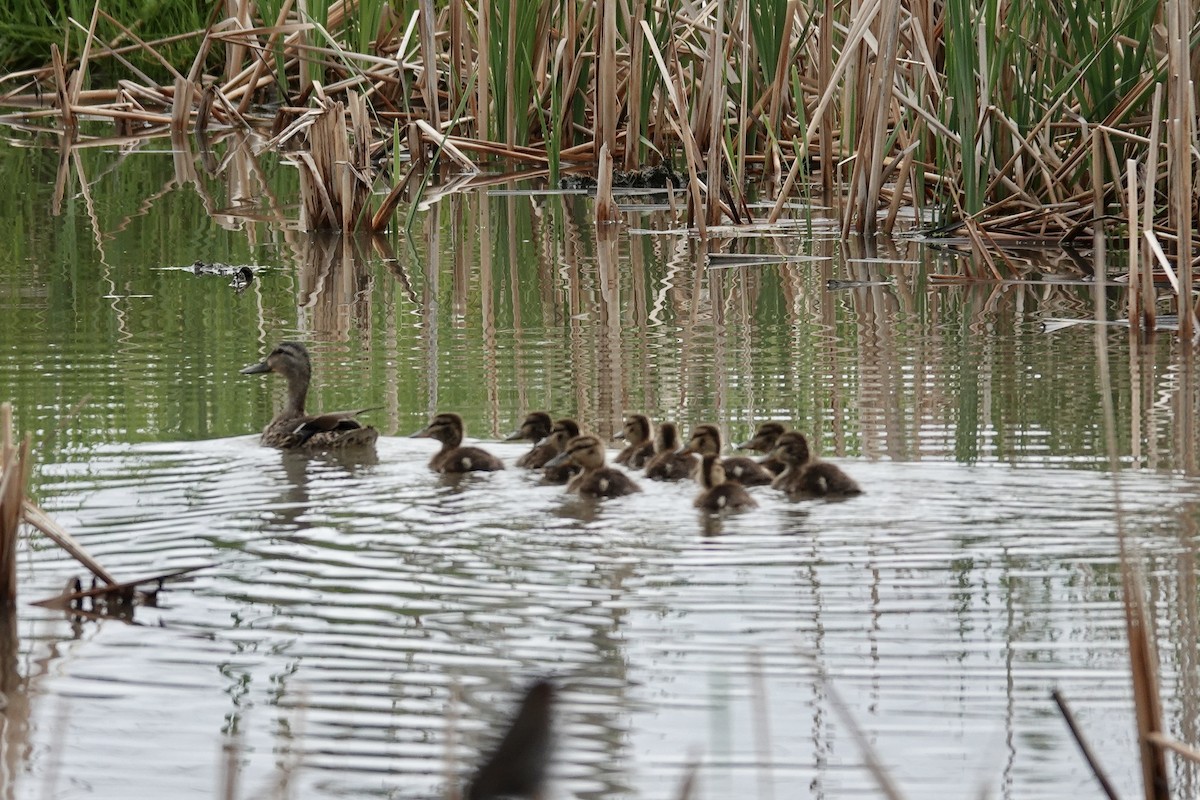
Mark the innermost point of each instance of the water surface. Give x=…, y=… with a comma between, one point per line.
x=354, y=609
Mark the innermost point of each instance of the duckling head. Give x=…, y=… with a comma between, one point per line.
x=289, y=359
x=564, y=430
x=706, y=440
x=711, y=473
x=586, y=451
x=764, y=438
x=635, y=430
x=446, y=427
x=792, y=449
x=667, y=440
x=537, y=426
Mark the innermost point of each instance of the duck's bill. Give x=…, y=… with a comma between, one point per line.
x=421, y=434
x=561, y=458
x=512, y=437
x=254, y=369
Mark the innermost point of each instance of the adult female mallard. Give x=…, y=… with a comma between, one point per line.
x=292, y=429
x=669, y=462
x=806, y=475
x=535, y=428
x=564, y=430
x=640, y=444
x=764, y=442
x=706, y=441
x=719, y=494
x=454, y=458
x=596, y=480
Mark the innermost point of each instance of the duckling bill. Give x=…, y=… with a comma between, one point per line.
x=453, y=458
x=292, y=428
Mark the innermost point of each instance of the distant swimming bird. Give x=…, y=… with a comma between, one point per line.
x=807, y=475
x=292, y=428
x=720, y=494
x=764, y=442
x=564, y=430
x=596, y=480
x=517, y=767
x=669, y=464
x=535, y=428
x=448, y=429
x=640, y=447
x=706, y=440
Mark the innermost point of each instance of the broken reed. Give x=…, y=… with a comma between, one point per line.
x=983, y=112
x=14, y=474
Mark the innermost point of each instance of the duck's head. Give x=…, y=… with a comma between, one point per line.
x=792, y=449
x=564, y=430
x=706, y=440
x=711, y=472
x=585, y=451
x=446, y=428
x=289, y=359
x=764, y=438
x=537, y=426
x=635, y=430
x=667, y=439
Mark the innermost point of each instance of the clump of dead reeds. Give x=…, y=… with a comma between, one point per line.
x=984, y=116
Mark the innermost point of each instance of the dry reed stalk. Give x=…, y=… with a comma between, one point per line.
x=429, y=78
x=606, y=81
x=1181, y=136
x=714, y=83
x=680, y=120
x=606, y=208
x=1077, y=734
x=874, y=120
x=443, y=142
x=1150, y=312
x=1135, y=298
x=1097, y=179
x=14, y=473
x=633, y=88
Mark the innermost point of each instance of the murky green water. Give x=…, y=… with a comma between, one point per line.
x=346, y=600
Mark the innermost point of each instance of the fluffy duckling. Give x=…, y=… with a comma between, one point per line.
x=669, y=463
x=596, y=480
x=448, y=429
x=535, y=428
x=640, y=447
x=805, y=474
x=764, y=442
x=564, y=430
x=719, y=494
x=292, y=429
x=706, y=440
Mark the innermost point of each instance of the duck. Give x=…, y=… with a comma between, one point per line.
x=596, y=480
x=454, y=458
x=640, y=447
x=669, y=462
x=764, y=442
x=564, y=430
x=719, y=494
x=292, y=428
x=806, y=475
x=706, y=440
x=535, y=428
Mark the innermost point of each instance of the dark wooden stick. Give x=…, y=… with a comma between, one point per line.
x=1088, y=755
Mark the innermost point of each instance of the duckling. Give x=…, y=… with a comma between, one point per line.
x=535, y=428
x=564, y=430
x=640, y=449
x=807, y=475
x=292, y=429
x=669, y=464
x=706, y=440
x=448, y=429
x=764, y=442
x=719, y=494
x=596, y=480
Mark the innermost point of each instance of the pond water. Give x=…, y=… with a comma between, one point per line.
x=365, y=626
